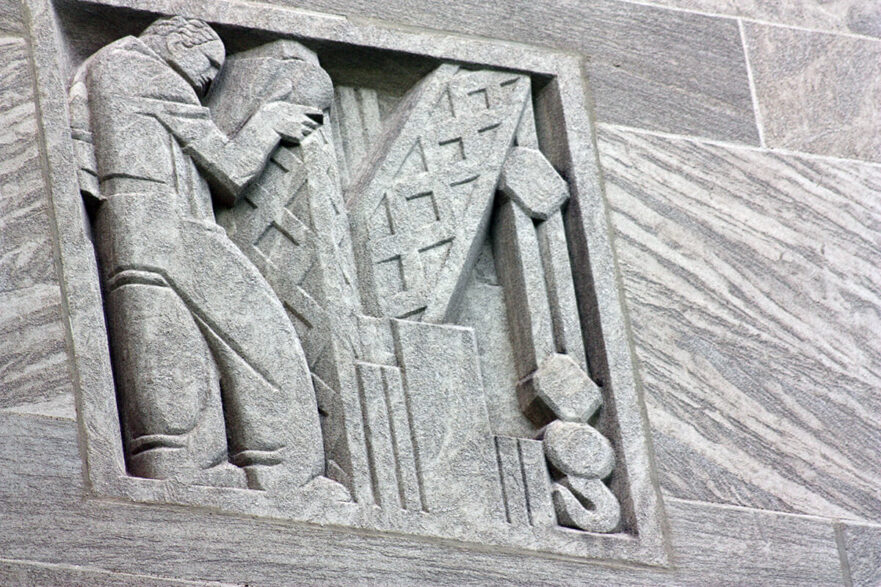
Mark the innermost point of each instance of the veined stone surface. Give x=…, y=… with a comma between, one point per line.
x=836, y=102
x=748, y=274
x=848, y=16
x=766, y=266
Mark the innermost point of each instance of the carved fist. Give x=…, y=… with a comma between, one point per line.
x=293, y=122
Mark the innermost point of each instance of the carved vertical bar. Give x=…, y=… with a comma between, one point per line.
x=520, y=273
x=537, y=482
x=551, y=235
x=513, y=487
x=378, y=434
x=561, y=288
x=458, y=477
x=402, y=438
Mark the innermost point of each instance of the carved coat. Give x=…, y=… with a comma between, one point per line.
x=156, y=218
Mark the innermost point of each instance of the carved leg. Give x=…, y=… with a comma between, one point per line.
x=263, y=431
x=269, y=401
x=169, y=397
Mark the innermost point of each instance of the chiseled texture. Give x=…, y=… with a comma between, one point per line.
x=751, y=282
x=32, y=574
x=44, y=519
x=754, y=293
x=847, y=16
x=10, y=17
x=817, y=92
x=648, y=67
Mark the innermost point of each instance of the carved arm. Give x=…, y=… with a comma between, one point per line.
x=230, y=163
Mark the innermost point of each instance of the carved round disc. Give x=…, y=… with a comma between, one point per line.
x=578, y=449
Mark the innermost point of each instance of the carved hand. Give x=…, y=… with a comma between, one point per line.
x=293, y=122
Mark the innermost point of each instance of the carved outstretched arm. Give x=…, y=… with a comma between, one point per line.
x=230, y=163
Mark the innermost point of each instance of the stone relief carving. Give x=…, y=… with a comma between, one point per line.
x=211, y=376
x=321, y=290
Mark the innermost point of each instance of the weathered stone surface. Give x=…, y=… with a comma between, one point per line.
x=528, y=179
x=649, y=67
x=559, y=388
x=420, y=215
x=10, y=17
x=45, y=519
x=578, y=449
x=513, y=484
x=587, y=504
x=537, y=482
x=293, y=226
x=380, y=440
x=221, y=318
x=33, y=574
x=483, y=309
x=752, y=283
x=809, y=99
x=174, y=281
x=554, y=249
x=862, y=552
x=847, y=16
x=711, y=541
x=518, y=264
x=446, y=402
x=26, y=249
x=33, y=358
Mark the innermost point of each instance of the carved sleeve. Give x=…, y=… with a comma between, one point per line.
x=228, y=163
x=81, y=133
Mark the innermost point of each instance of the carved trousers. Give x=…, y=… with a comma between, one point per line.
x=208, y=366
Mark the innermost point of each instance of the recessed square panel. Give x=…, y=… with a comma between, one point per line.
x=265, y=321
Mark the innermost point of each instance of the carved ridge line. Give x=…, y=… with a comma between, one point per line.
x=420, y=477
x=368, y=441
x=501, y=470
x=521, y=462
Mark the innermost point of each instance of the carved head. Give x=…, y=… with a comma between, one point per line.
x=189, y=46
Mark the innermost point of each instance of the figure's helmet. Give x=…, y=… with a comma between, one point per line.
x=190, y=47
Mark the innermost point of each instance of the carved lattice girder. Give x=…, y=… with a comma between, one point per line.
x=420, y=214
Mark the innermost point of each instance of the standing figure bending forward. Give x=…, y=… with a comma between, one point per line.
x=211, y=377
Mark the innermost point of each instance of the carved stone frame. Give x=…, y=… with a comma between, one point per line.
x=562, y=105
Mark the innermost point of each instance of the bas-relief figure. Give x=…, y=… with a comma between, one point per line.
x=283, y=270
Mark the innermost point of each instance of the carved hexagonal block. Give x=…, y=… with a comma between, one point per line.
x=530, y=180
x=559, y=388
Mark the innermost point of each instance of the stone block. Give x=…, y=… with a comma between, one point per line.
x=446, y=402
x=862, y=17
x=862, y=553
x=809, y=99
x=761, y=364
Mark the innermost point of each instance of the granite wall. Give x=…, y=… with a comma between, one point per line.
x=740, y=143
